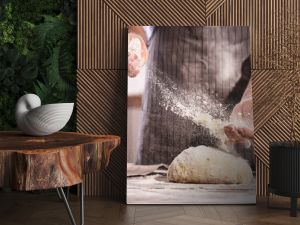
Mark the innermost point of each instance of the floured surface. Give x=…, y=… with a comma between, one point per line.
x=155, y=189
x=143, y=170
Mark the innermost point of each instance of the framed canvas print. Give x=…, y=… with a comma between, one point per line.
x=190, y=117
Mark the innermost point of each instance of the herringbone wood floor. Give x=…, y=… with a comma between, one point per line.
x=46, y=209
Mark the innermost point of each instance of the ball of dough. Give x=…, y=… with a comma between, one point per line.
x=208, y=165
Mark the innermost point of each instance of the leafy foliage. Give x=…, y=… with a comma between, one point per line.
x=14, y=31
x=53, y=43
x=33, y=10
x=7, y=121
x=37, y=53
x=17, y=71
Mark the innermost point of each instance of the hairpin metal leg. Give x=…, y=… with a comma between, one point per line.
x=58, y=193
x=67, y=193
x=81, y=204
x=62, y=196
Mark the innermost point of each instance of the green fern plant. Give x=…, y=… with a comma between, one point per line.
x=17, y=73
x=54, y=44
x=37, y=53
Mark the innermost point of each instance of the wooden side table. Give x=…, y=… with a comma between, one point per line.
x=59, y=160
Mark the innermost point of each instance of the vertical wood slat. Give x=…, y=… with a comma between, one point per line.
x=102, y=109
x=102, y=45
x=263, y=17
x=101, y=37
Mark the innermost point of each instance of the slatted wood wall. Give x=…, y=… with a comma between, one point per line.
x=102, y=75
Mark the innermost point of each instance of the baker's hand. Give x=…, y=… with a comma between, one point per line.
x=241, y=113
x=238, y=135
x=137, y=54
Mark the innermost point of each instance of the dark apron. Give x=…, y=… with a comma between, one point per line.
x=192, y=58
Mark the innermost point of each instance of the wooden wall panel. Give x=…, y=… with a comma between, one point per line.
x=211, y=6
x=102, y=109
x=264, y=17
x=102, y=79
x=160, y=13
x=267, y=103
x=102, y=37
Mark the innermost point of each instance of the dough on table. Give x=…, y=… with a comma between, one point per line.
x=208, y=165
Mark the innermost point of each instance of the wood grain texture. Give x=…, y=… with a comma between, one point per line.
x=102, y=46
x=57, y=160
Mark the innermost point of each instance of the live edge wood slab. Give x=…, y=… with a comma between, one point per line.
x=57, y=160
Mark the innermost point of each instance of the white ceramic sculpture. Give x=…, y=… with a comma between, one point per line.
x=39, y=120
